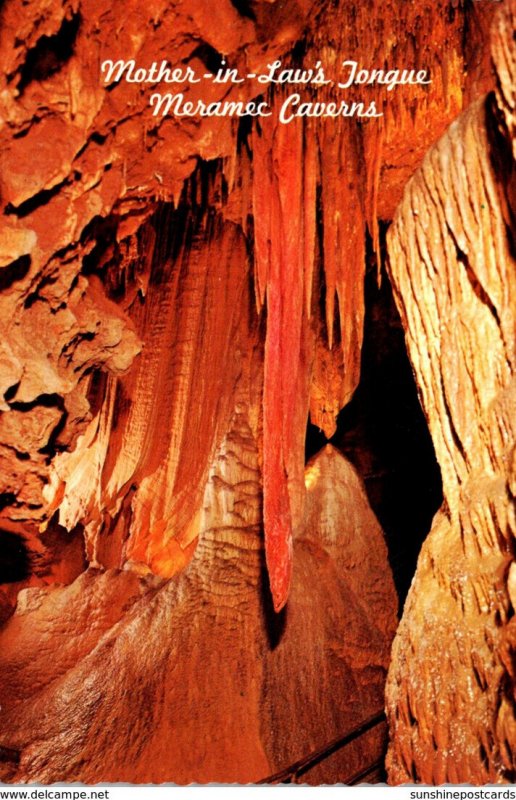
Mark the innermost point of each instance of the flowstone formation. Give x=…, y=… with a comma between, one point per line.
x=177, y=295
x=162, y=670
x=451, y=690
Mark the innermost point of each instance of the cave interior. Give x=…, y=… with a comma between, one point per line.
x=257, y=397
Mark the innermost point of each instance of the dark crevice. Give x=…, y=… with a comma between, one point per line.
x=103, y=231
x=98, y=138
x=274, y=622
x=383, y=432
x=15, y=563
x=21, y=455
x=211, y=58
x=500, y=154
x=299, y=53
x=29, y=125
x=244, y=133
x=34, y=296
x=244, y=8
x=53, y=447
x=33, y=203
x=96, y=393
x=94, y=138
x=45, y=400
x=315, y=440
x=10, y=393
x=69, y=349
x=49, y=54
x=122, y=406
x=477, y=287
x=453, y=430
x=7, y=499
x=60, y=546
x=15, y=271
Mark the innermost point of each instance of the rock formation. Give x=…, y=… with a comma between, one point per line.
x=451, y=685
x=137, y=675
x=176, y=296
x=106, y=166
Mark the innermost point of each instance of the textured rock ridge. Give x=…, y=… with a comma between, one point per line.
x=451, y=684
x=142, y=657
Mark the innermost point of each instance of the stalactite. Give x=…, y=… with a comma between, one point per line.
x=285, y=237
x=112, y=167
x=352, y=154
x=309, y=206
x=373, y=155
x=193, y=320
x=175, y=295
x=342, y=177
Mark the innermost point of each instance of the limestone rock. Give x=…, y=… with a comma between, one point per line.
x=136, y=676
x=451, y=684
x=175, y=295
x=87, y=172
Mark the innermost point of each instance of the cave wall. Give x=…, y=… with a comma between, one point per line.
x=79, y=244
x=175, y=298
x=146, y=680
x=451, y=255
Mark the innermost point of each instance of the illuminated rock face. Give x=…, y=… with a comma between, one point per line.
x=451, y=684
x=175, y=296
x=137, y=676
x=95, y=264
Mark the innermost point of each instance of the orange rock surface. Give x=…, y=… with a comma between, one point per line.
x=451, y=689
x=84, y=209
x=137, y=676
x=176, y=296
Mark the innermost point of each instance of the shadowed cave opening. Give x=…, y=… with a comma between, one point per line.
x=14, y=558
x=383, y=432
